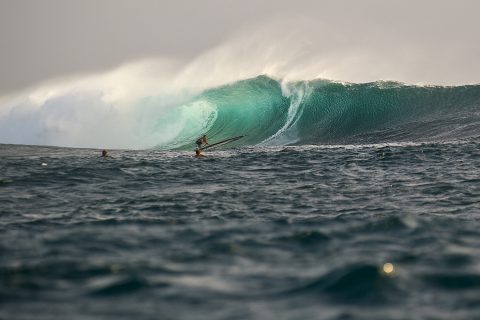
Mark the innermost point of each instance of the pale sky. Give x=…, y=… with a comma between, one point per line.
x=434, y=40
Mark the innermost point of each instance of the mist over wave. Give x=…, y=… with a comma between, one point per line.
x=260, y=87
x=270, y=112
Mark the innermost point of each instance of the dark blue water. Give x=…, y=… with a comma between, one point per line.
x=249, y=233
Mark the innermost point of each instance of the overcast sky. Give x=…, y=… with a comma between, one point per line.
x=48, y=39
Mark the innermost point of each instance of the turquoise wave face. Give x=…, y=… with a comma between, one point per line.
x=255, y=108
x=320, y=112
x=268, y=112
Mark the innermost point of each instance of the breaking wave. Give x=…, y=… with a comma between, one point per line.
x=269, y=112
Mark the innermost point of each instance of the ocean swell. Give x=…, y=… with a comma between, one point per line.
x=313, y=112
x=269, y=112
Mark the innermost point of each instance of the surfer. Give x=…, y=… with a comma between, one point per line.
x=201, y=140
x=198, y=153
x=104, y=153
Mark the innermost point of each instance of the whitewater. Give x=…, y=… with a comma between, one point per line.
x=269, y=112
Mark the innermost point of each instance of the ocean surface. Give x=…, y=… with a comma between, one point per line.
x=343, y=201
x=247, y=233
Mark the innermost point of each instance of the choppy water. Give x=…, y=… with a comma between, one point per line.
x=250, y=233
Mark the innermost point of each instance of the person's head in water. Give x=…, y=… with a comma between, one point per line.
x=198, y=153
x=104, y=153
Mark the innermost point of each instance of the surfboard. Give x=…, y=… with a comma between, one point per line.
x=216, y=144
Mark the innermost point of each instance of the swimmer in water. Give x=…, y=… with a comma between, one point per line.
x=198, y=153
